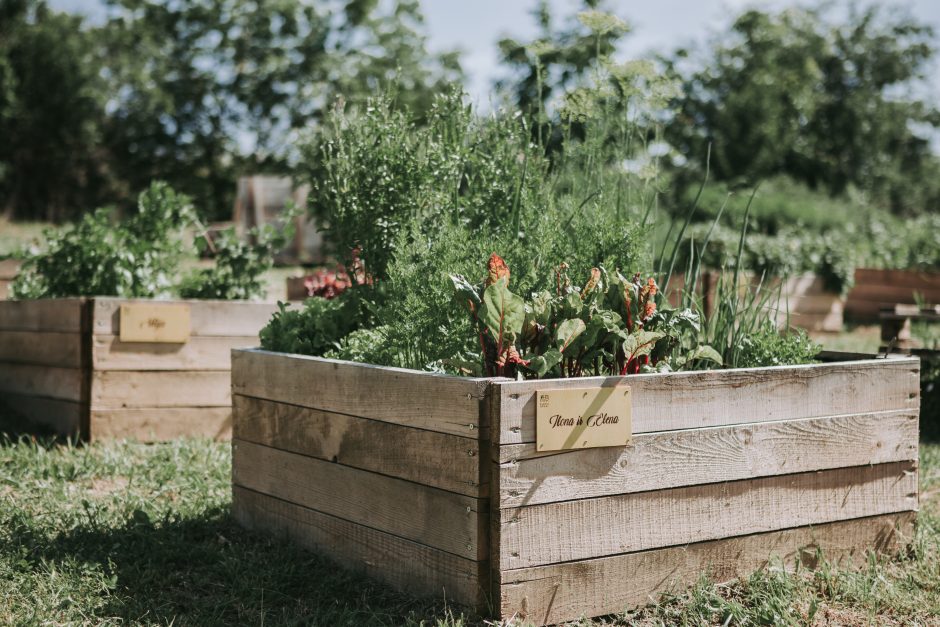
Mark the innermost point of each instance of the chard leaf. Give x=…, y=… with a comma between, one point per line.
x=641, y=343
x=542, y=364
x=502, y=312
x=568, y=331
x=704, y=352
x=464, y=290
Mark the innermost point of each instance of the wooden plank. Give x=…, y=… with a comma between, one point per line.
x=408, y=397
x=9, y=268
x=41, y=348
x=437, y=518
x=225, y=318
x=63, y=315
x=688, y=400
x=159, y=424
x=891, y=294
x=405, y=565
x=117, y=389
x=58, y=416
x=906, y=278
x=296, y=288
x=562, y=592
x=430, y=458
x=45, y=381
x=199, y=353
x=655, y=461
x=573, y=530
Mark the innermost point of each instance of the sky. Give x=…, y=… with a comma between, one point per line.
x=475, y=26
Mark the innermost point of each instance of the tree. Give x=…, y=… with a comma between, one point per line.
x=53, y=159
x=193, y=92
x=828, y=104
x=214, y=88
x=559, y=59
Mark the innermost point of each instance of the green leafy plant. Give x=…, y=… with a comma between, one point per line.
x=97, y=256
x=610, y=326
x=239, y=265
x=315, y=329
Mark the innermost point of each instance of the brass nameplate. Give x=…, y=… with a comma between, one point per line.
x=574, y=418
x=166, y=323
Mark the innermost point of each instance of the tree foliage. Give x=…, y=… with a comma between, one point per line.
x=53, y=160
x=194, y=92
x=830, y=104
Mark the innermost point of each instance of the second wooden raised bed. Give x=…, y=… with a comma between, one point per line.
x=434, y=485
x=64, y=365
x=875, y=290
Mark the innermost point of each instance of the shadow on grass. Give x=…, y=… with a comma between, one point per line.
x=208, y=571
x=200, y=568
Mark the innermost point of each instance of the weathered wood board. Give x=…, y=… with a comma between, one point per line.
x=8, y=271
x=433, y=484
x=63, y=365
x=875, y=290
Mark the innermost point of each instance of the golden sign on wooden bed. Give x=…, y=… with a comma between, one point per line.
x=166, y=323
x=573, y=418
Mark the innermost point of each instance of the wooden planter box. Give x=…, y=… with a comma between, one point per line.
x=63, y=365
x=805, y=303
x=433, y=483
x=8, y=270
x=878, y=289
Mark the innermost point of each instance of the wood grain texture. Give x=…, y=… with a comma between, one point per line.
x=117, y=389
x=875, y=289
x=561, y=592
x=62, y=315
x=672, y=459
x=405, y=565
x=207, y=317
x=574, y=530
x=892, y=293
x=60, y=417
x=688, y=400
x=444, y=520
x=408, y=397
x=198, y=353
x=41, y=348
x=44, y=381
x=430, y=458
x=159, y=424
x=906, y=278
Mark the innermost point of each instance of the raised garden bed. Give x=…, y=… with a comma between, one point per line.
x=878, y=289
x=63, y=365
x=433, y=483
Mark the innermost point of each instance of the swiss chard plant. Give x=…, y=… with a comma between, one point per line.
x=609, y=326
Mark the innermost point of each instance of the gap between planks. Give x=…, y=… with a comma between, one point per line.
x=561, y=592
x=426, y=457
x=438, y=518
x=669, y=459
x=675, y=401
x=404, y=564
x=431, y=401
x=552, y=533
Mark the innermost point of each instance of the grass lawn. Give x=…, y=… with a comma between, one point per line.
x=124, y=533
